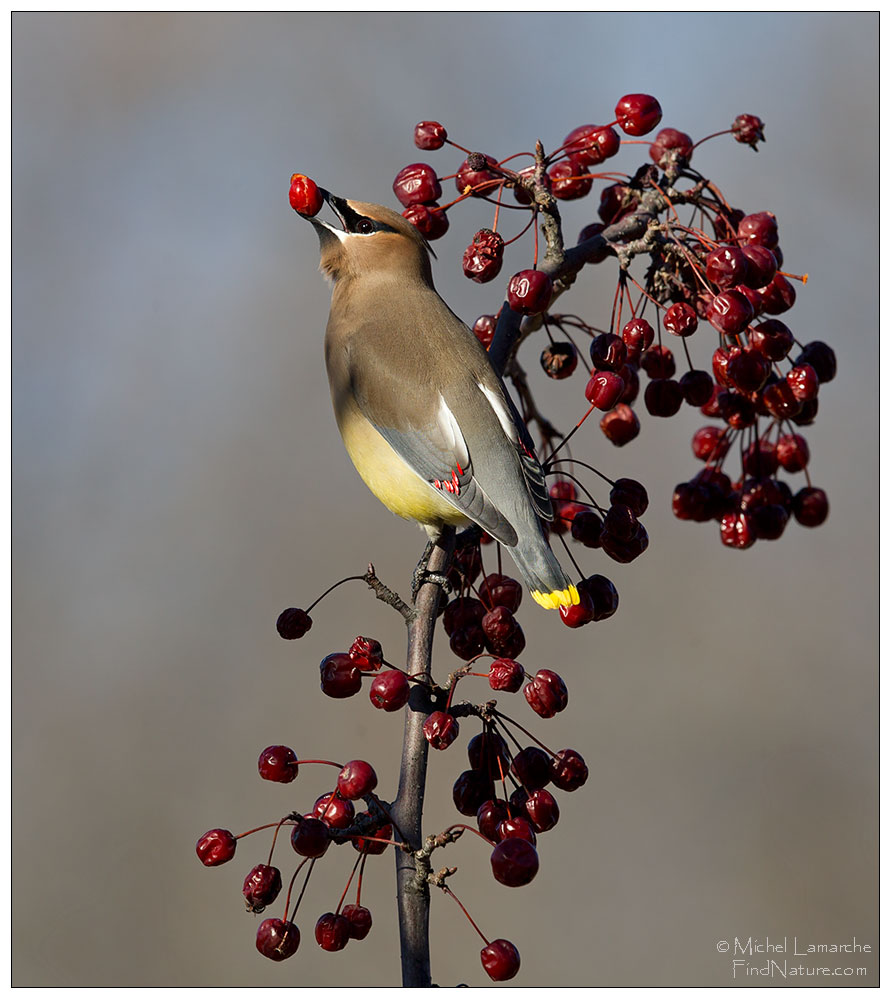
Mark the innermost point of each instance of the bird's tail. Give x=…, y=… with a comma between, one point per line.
x=543, y=574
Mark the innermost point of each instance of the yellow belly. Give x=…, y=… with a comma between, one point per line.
x=390, y=478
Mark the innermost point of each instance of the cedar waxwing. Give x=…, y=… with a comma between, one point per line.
x=425, y=419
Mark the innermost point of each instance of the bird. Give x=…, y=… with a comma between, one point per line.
x=425, y=418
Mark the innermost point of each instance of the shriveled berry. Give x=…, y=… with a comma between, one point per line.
x=506, y=674
x=621, y=550
x=637, y=114
x=529, y=292
x=680, y=319
x=778, y=297
x=586, y=527
x=477, y=170
x=367, y=654
x=293, y=623
x=803, y=381
x=332, y=931
x=217, y=846
x=498, y=624
x=340, y=676
x=514, y=862
x=462, y=612
x=727, y=266
x=711, y=443
x=568, y=770
x=761, y=266
x=277, y=939
x=592, y=144
x=489, y=753
x=261, y=887
x=620, y=425
x=559, y=360
x=356, y=780
x=482, y=259
x=467, y=643
x=658, y=362
x=671, y=147
x=430, y=135
x=304, y=195
x=431, y=221
x=390, y=690
x=810, y=506
x=748, y=129
x=441, y=729
x=501, y=960
x=278, y=763
x=489, y=817
x=730, y=312
x=632, y=493
x=780, y=401
x=374, y=846
x=546, y=693
x=417, y=184
x=602, y=594
x=359, y=919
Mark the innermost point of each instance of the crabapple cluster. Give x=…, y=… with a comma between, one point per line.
x=717, y=280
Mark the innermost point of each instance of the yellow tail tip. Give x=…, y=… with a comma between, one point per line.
x=557, y=598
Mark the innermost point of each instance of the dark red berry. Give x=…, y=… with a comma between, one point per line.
x=778, y=297
x=638, y=335
x=304, y=195
x=373, y=846
x=604, y=390
x=730, y=312
x=761, y=266
x=559, y=360
x=637, y=114
x=671, y=148
x=416, y=184
x=658, y=362
x=592, y=144
x=597, y=254
x=498, y=624
x=506, y=674
x=278, y=763
x=570, y=179
x=277, y=939
x=501, y=960
x=696, y=387
x=475, y=171
x=482, y=259
x=514, y=862
x=470, y=790
x=441, y=729
x=821, y=357
x=620, y=425
x=430, y=220
x=748, y=129
x=771, y=338
x=608, y=352
x=680, y=319
x=367, y=654
x=632, y=493
x=356, y=780
x=489, y=753
x=467, y=643
x=738, y=530
x=711, y=443
x=484, y=328
x=390, y=690
x=727, y=266
x=546, y=693
x=620, y=522
x=663, y=397
x=747, y=370
x=586, y=527
x=518, y=828
x=792, y=452
x=803, y=381
x=334, y=811
x=568, y=770
x=332, y=931
x=430, y=135
x=310, y=837
x=616, y=201
x=760, y=228
x=580, y=614
x=602, y=595
x=532, y=767
x=760, y=458
x=498, y=590
x=216, y=847
x=810, y=506
x=340, y=676
x=293, y=623
x=462, y=612
x=261, y=887
x=359, y=919
x=529, y=292
x=489, y=817
x=542, y=809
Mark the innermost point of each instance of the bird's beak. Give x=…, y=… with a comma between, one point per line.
x=341, y=209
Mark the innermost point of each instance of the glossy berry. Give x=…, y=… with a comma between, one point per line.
x=586, y=527
x=608, y=352
x=332, y=931
x=803, y=382
x=477, y=170
x=759, y=228
x=748, y=370
x=727, y=266
x=680, y=319
x=278, y=763
x=748, y=129
x=499, y=590
x=304, y=195
x=430, y=221
x=482, y=259
x=546, y=693
x=559, y=360
x=604, y=390
x=568, y=770
x=514, y=862
x=529, y=292
x=489, y=817
x=310, y=837
x=356, y=780
x=518, y=827
x=570, y=179
x=580, y=614
x=373, y=846
x=592, y=144
x=367, y=654
x=334, y=811
x=620, y=425
x=430, y=135
x=821, y=357
x=771, y=338
x=390, y=690
x=730, y=312
x=761, y=266
x=738, y=530
x=501, y=960
x=417, y=184
x=261, y=887
x=542, y=810
x=602, y=596
x=778, y=297
x=484, y=329
x=810, y=506
x=637, y=114
x=359, y=919
x=293, y=623
x=340, y=676
x=277, y=939
x=638, y=336
x=506, y=674
x=780, y=401
x=792, y=452
x=441, y=729
x=216, y=847
x=671, y=147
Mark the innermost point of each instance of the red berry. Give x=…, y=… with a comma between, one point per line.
x=760, y=459
x=293, y=623
x=803, y=381
x=489, y=817
x=501, y=960
x=570, y=180
x=726, y=266
x=441, y=729
x=470, y=790
x=637, y=114
x=332, y=931
x=514, y=862
x=671, y=147
x=792, y=452
x=532, y=767
x=586, y=527
x=498, y=590
x=771, y=338
x=620, y=425
x=542, y=809
x=760, y=228
x=341, y=677
x=710, y=443
x=467, y=643
x=578, y=614
x=506, y=674
x=559, y=360
x=482, y=259
x=780, y=401
x=608, y=352
x=278, y=763
x=529, y=292
x=730, y=312
x=216, y=847
x=417, y=184
x=602, y=595
x=810, y=506
x=747, y=370
x=484, y=328
x=604, y=389
x=748, y=129
x=334, y=811
x=680, y=319
x=310, y=837
x=431, y=221
x=696, y=387
x=738, y=530
x=359, y=919
x=638, y=335
x=546, y=693
x=568, y=770
x=261, y=887
x=461, y=613
x=373, y=846
x=563, y=489
x=778, y=297
x=821, y=357
x=277, y=939
x=475, y=171
x=658, y=362
x=517, y=827
x=304, y=195
x=761, y=266
x=592, y=144
x=390, y=690
x=430, y=135
x=356, y=780
x=367, y=654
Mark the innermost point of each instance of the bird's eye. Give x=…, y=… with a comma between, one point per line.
x=364, y=226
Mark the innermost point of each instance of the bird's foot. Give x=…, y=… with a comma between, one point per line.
x=423, y=575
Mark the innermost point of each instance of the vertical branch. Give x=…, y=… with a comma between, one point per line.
x=414, y=903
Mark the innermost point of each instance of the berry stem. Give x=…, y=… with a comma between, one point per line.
x=451, y=894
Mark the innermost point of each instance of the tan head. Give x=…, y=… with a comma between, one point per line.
x=374, y=240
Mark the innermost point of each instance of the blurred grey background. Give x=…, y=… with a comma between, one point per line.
x=178, y=479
